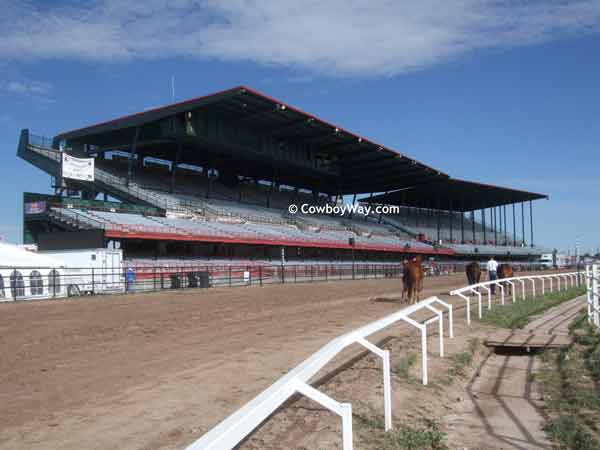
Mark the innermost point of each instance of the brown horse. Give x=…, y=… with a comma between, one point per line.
x=473, y=271
x=506, y=271
x=412, y=279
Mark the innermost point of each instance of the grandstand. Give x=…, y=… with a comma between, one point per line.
x=211, y=179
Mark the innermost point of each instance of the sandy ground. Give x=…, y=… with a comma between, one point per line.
x=504, y=408
x=494, y=405
x=156, y=371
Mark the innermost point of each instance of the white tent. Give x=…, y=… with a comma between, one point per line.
x=15, y=256
x=29, y=275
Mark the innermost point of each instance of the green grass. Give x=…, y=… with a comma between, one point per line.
x=459, y=362
x=404, y=365
x=374, y=421
x=518, y=314
x=570, y=434
x=570, y=382
x=406, y=437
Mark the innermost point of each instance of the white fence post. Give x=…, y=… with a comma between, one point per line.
x=423, y=328
x=595, y=294
x=344, y=410
x=468, y=300
x=480, y=303
x=440, y=319
x=387, y=390
x=489, y=291
x=522, y=289
x=347, y=426
x=450, y=317
x=425, y=379
x=387, y=385
x=588, y=285
x=512, y=290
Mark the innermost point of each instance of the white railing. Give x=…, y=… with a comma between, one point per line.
x=563, y=281
x=232, y=430
x=592, y=274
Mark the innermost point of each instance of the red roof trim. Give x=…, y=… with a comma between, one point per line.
x=151, y=110
x=289, y=243
x=265, y=97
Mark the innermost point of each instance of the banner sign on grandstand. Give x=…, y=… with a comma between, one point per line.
x=77, y=168
x=35, y=207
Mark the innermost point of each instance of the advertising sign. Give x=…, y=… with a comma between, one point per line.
x=77, y=168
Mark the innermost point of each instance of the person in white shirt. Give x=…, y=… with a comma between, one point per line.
x=492, y=269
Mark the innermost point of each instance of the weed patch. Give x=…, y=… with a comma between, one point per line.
x=404, y=365
x=409, y=438
x=570, y=384
x=518, y=314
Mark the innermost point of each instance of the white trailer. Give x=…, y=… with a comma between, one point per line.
x=91, y=271
x=549, y=261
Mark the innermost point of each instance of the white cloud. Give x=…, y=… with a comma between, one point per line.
x=334, y=37
x=25, y=87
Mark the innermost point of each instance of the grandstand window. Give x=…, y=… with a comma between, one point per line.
x=2, y=295
x=36, y=284
x=54, y=282
x=17, y=285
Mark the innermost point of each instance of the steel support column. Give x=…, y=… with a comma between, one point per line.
x=495, y=226
x=438, y=215
x=523, y=221
x=531, y=220
x=483, y=223
x=514, y=226
x=462, y=227
x=504, y=214
x=451, y=221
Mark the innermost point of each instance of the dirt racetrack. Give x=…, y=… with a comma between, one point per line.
x=155, y=371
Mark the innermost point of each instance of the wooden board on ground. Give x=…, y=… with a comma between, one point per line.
x=510, y=338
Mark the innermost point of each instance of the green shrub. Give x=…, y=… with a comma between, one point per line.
x=404, y=365
x=568, y=432
x=408, y=438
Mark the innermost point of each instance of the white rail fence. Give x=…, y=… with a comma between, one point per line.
x=563, y=281
x=235, y=428
x=592, y=276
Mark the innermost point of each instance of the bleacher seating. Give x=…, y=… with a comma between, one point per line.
x=242, y=212
x=204, y=227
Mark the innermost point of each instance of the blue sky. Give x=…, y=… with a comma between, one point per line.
x=498, y=92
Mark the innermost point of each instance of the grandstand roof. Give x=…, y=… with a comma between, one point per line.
x=364, y=165
x=453, y=194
